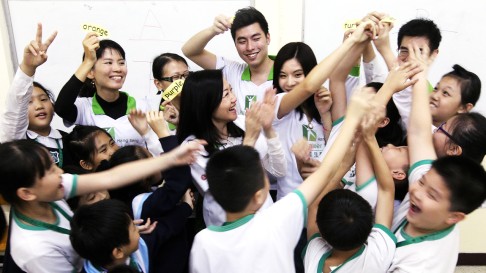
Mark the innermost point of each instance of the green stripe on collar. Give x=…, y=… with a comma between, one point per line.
x=232, y=225
x=246, y=75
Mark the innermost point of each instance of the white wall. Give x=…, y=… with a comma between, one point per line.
x=285, y=22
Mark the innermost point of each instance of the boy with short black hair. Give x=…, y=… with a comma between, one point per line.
x=262, y=242
x=249, y=30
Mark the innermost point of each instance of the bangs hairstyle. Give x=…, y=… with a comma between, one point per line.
x=162, y=60
x=201, y=96
x=99, y=228
x=306, y=58
x=21, y=164
x=345, y=219
x=248, y=16
x=89, y=89
x=234, y=176
x=48, y=92
x=81, y=142
x=466, y=181
x=469, y=82
x=469, y=131
x=421, y=27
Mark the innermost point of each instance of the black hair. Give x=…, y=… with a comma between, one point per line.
x=81, y=142
x=393, y=132
x=421, y=27
x=469, y=82
x=89, y=89
x=123, y=268
x=305, y=56
x=48, y=92
x=345, y=219
x=466, y=181
x=21, y=164
x=163, y=59
x=468, y=129
x=99, y=228
x=248, y=16
x=201, y=96
x=234, y=176
x=123, y=155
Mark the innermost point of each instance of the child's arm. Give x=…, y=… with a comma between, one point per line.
x=130, y=172
x=323, y=70
x=419, y=139
x=140, y=122
x=194, y=47
x=15, y=119
x=386, y=186
x=65, y=107
x=382, y=44
x=315, y=183
x=323, y=102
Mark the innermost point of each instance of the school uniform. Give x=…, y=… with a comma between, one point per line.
x=368, y=190
x=436, y=252
x=374, y=256
x=138, y=260
x=239, y=77
x=43, y=249
x=262, y=242
x=15, y=118
x=290, y=129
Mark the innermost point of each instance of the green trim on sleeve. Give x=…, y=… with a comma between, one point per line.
x=430, y=87
x=365, y=184
x=232, y=225
x=131, y=103
x=337, y=121
x=354, y=71
x=418, y=164
x=387, y=231
x=346, y=182
x=314, y=236
x=304, y=203
x=74, y=186
x=322, y=260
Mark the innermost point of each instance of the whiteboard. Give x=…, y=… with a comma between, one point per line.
x=461, y=24
x=144, y=29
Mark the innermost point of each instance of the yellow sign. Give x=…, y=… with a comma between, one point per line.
x=173, y=90
x=102, y=32
x=351, y=24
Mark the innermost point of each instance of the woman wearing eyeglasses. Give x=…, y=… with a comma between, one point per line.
x=167, y=68
x=92, y=96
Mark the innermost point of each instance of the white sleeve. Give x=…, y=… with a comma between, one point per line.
x=351, y=83
x=52, y=262
x=382, y=245
x=15, y=118
x=275, y=161
x=375, y=71
x=403, y=101
x=313, y=252
x=70, y=185
x=153, y=143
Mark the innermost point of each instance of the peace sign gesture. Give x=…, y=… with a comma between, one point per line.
x=35, y=53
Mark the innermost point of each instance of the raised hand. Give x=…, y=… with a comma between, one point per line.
x=138, y=121
x=187, y=153
x=398, y=77
x=189, y=198
x=253, y=125
x=157, y=122
x=35, y=53
x=359, y=104
x=323, y=100
x=91, y=43
x=364, y=32
x=146, y=228
x=267, y=110
x=170, y=113
x=222, y=23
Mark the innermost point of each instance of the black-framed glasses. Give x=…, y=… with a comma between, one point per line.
x=441, y=128
x=176, y=77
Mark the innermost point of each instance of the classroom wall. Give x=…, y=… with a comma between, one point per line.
x=282, y=30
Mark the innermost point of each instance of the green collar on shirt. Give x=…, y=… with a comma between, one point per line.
x=428, y=237
x=327, y=254
x=98, y=110
x=246, y=76
x=232, y=225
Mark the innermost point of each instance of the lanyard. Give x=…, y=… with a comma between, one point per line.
x=42, y=224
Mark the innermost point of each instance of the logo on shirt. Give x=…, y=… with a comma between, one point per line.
x=55, y=156
x=111, y=131
x=308, y=133
x=249, y=100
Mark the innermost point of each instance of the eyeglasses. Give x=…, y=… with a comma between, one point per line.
x=176, y=77
x=441, y=128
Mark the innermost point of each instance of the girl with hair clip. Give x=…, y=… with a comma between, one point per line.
x=30, y=106
x=37, y=190
x=92, y=96
x=208, y=111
